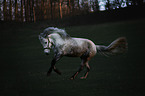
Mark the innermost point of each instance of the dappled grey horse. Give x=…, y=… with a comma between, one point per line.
x=64, y=45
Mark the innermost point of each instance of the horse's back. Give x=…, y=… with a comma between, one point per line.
x=91, y=47
x=89, y=43
x=80, y=46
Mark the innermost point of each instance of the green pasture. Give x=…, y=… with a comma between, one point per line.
x=23, y=65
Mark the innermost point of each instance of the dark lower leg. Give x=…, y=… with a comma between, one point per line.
x=57, y=71
x=86, y=74
x=49, y=71
x=55, y=59
x=73, y=77
x=80, y=69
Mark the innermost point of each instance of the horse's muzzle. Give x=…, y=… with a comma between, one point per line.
x=47, y=51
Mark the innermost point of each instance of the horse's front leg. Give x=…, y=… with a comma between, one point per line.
x=53, y=62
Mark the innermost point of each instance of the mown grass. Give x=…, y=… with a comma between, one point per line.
x=24, y=65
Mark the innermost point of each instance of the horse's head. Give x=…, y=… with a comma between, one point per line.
x=46, y=43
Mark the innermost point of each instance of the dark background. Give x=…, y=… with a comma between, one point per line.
x=24, y=66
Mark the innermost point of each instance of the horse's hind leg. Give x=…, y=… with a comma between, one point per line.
x=83, y=63
x=88, y=69
x=80, y=69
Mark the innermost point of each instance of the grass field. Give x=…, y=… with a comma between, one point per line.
x=24, y=66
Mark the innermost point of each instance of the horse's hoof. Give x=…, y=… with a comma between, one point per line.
x=72, y=78
x=82, y=77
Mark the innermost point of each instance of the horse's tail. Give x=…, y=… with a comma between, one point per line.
x=118, y=46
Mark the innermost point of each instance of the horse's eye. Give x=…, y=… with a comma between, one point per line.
x=45, y=42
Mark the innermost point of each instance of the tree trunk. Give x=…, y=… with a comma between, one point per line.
x=33, y=11
x=34, y=14
x=25, y=7
x=42, y=9
x=79, y=4
x=16, y=10
x=1, y=11
x=28, y=11
x=97, y=5
x=108, y=4
x=60, y=9
x=51, y=9
x=68, y=7
x=4, y=10
x=73, y=9
x=22, y=17
x=54, y=10
x=10, y=10
x=37, y=12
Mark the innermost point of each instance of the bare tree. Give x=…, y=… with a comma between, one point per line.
x=0, y=11
x=68, y=6
x=16, y=10
x=97, y=5
x=4, y=10
x=25, y=7
x=42, y=9
x=10, y=10
x=33, y=11
x=37, y=10
x=27, y=10
x=51, y=9
x=108, y=4
x=73, y=7
x=79, y=4
x=22, y=17
x=31, y=3
x=60, y=9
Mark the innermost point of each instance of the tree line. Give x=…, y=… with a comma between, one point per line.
x=35, y=10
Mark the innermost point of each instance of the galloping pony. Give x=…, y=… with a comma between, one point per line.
x=63, y=45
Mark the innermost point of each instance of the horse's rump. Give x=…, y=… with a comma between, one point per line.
x=77, y=47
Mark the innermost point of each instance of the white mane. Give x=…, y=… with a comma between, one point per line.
x=51, y=30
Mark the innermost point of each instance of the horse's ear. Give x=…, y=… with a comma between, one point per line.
x=41, y=34
x=44, y=35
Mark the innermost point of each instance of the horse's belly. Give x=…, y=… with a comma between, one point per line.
x=75, y=52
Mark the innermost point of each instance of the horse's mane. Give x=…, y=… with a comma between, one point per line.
x=51, y=30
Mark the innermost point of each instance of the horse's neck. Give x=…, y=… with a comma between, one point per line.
x=57, y=39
